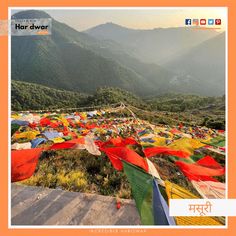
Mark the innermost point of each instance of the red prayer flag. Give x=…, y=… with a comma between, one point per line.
x=117, y=142
x=116, y=154
x=199, y=170
x=23, y=163
x=67, y=144
x=209, y=161
x=45, y=122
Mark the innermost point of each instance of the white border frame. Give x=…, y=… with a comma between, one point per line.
x=107, y=227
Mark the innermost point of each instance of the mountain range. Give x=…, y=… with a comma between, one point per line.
x=144, y=62
x=152, y=46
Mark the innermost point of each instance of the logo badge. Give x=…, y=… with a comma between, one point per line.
x=195, y=22
x=187, y=21
x=210, y=21
x=203, y=22
x=218, y=21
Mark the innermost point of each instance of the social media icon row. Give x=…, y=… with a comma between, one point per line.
x=196, y=22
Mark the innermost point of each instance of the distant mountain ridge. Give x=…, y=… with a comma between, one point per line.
x=147, y=44
x=204, y=63
x=83, y=62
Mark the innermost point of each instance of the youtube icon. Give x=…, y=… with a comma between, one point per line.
x=203, y=22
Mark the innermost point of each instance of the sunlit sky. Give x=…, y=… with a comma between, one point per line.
x=138, y=18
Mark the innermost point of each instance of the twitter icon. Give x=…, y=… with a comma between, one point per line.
x=210, y=21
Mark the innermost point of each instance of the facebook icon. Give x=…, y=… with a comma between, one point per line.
x=187, y=21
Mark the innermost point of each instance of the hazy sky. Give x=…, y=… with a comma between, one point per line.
x=82, y=19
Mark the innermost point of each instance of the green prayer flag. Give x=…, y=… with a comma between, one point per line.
x=142, y=189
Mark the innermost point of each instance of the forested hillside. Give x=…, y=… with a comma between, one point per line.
x=166, y=108
x=28, y=96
